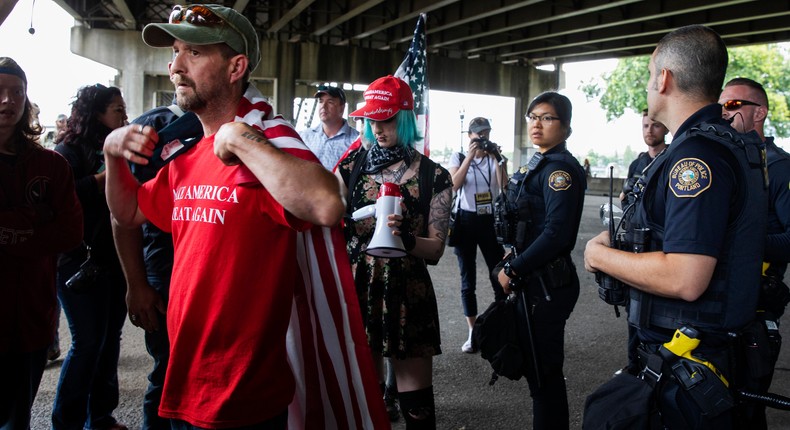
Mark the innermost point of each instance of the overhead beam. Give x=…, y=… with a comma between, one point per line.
x=5, y=9
x=347, y=16
x=289, y=15
x=69, y=10
x=129, y=21
x=407, y=17
x=649, y=45
x=536, y=22
x=646, y=33
x=617, y=23
x=476, y=17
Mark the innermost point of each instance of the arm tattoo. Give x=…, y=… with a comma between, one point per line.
x=440, y=213
x=254, y=137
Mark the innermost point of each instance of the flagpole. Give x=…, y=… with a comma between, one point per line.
x=414, y=70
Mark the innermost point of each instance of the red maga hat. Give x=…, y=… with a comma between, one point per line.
x=384, y=98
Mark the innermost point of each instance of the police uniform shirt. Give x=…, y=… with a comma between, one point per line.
x=692, y=197
x=777, y=246
x=638, y=165
x=560, y=184
x=694, y=191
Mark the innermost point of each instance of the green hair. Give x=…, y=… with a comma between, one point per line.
x=406, y=128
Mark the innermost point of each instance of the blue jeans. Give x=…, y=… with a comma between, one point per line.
x=157, y=344
x=277, y=423
x=21, y=375
x=87, y=391
x=476, y=230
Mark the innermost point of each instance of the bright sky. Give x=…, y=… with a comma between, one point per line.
x=54, y=74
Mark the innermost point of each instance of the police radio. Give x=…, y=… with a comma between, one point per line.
x=505, y=220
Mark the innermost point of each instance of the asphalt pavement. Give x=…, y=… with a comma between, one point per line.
x=594, y=348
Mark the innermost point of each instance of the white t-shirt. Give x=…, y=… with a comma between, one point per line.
x=480, y=177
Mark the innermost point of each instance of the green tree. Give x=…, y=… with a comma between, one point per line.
x=624, y=87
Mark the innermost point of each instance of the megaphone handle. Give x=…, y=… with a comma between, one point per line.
x=364, y=212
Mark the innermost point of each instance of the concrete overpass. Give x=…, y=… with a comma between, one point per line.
x=485, y=47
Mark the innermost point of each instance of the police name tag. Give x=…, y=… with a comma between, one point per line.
x=483, y=203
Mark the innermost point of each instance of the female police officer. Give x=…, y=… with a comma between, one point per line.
x=547, y=196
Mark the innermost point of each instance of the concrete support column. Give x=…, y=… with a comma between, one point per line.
x=126, y=52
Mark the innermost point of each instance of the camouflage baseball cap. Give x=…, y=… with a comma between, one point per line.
x=206, y=24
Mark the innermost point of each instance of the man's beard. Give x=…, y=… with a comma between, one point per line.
x=193, y=102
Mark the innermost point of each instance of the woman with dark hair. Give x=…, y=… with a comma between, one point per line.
x=548, y=197
x=94, y=300
x=40, y=217
x=396, y=295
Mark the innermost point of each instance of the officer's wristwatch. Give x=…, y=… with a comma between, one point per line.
x=508, y=270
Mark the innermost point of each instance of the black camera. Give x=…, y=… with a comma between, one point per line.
x=85, y=278
x=485, y=145
x=488, y=146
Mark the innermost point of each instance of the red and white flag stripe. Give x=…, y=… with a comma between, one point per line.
x=336, y=383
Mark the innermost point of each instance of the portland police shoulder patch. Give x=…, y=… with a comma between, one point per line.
x=689, y=177
x=559, y=180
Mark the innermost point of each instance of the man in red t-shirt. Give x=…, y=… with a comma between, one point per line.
x=233, y=203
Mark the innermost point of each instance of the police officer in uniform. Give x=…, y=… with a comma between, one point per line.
x=547, y=196
x=704, y=203
x=745, y=103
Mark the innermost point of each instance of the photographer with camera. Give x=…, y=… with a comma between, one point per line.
x=539, y=219
x=478, y=178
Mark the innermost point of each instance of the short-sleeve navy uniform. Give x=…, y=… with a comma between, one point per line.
x=692, y=199
x=638, y=165
x=692, y=205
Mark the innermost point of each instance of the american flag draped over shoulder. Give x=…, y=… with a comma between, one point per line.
x=336, y=383
x=414, y=70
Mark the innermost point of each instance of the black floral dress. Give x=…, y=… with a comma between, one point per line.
x=396, y=295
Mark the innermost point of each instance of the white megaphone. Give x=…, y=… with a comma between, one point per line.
x=383, y=243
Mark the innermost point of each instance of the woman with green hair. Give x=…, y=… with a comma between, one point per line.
x=396, y=295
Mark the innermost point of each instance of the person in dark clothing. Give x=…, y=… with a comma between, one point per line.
x=654, y=134
x=704, y=204
x=40, y=217
x=745, y=103
x=87, y=391
x=548, y=197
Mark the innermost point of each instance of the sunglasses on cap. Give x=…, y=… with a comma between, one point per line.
x=202, y=16
x=731, y=105
x=195, y=15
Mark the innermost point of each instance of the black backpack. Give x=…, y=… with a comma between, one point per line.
x=496, y=336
